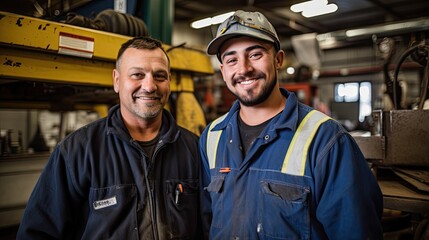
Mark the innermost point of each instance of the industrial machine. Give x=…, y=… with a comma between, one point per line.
x=398, y=147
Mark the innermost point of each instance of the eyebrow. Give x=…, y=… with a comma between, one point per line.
x=247, y=50
x=143, y=69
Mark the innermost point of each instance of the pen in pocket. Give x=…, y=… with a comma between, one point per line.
x=179, y=190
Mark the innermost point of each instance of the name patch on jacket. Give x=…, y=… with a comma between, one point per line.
x=104, y=203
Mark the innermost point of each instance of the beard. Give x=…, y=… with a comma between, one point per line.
x=150, y=111
x=251, y=99
x=146, y=110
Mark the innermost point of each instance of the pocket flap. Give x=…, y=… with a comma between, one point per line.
x=286, y=192
x=216, y=184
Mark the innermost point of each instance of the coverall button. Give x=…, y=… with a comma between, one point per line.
x=267, y=137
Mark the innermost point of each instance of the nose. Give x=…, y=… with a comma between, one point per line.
x=149, y=84
x=244, y=66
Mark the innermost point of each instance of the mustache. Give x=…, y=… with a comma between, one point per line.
x=249, y=76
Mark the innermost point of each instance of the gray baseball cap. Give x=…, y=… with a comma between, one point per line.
x=252, y=24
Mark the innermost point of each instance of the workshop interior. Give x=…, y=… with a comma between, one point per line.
x=365, y=64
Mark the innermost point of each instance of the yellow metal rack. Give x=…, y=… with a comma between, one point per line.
x=41, y=50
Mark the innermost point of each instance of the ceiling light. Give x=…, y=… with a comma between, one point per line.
x=325, y=9
x=314, y=8
x=211, y=20
x=300, y=7
x=384, y=28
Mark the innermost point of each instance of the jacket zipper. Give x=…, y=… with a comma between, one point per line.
x=150, y=190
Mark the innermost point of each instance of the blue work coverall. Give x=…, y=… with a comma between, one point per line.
x=249, y=197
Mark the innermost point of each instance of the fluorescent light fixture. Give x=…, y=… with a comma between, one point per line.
x=317, y=11
x=202, y=23
x=300, y=7
x=383, y=28
x=211, y=20
x=314, y=8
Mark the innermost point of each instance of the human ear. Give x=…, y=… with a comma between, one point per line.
x=221, y=71
x=279, y=58
x=115, y=76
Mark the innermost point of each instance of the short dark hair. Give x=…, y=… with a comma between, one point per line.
x=140, y=43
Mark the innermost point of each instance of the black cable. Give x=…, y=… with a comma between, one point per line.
x=424, y=86
x=397, y=68
x=425, y=83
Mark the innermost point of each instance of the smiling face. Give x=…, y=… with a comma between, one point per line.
x=142, y=79
x=249, y=68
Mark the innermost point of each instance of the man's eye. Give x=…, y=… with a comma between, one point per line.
x=230, y=61
x=256, y=55
x=161, y=77
x=137, y=75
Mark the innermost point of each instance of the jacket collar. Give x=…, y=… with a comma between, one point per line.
x=287, y=119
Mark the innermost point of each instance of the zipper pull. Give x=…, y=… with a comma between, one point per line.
x=179, y=190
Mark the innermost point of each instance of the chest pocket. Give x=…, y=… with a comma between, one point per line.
x=215, y=189
x=113, y=213
x=182, y=212
x=283, y=211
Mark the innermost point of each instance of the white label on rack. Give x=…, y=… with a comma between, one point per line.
x=80, y=46
x=120, y=6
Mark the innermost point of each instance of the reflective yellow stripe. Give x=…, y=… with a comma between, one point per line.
x=296, y=156
x=213, y=141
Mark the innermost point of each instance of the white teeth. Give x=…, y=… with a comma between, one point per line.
x=247, y=82
x=146, y=98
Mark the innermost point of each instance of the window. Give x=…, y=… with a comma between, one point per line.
x=355, y=92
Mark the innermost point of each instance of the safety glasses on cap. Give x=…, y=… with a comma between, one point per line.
x=236, y=19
